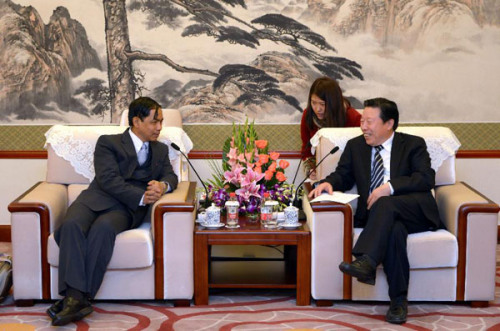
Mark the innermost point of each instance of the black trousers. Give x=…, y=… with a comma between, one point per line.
x=86, y=239
x=385, y=234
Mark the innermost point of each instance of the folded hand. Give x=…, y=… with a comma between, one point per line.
x=154, y=191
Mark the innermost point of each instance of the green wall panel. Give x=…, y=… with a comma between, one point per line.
x=286, y=137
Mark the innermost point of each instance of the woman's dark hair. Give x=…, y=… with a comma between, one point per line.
x=141, y=108
x=388, y=109
x=329, y=91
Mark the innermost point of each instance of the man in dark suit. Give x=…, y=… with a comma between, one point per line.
x=132, y=171
x=392, y=172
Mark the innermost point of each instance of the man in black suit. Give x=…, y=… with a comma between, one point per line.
x=132, y=171
x=392, y=172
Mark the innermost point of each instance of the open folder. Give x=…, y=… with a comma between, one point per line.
x=337, y=196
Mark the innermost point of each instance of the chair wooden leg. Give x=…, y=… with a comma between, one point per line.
x=182, y=303
x=479, y=304
x=25, y=303
x=324, y=303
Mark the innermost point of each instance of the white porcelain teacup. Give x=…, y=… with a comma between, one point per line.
x=291, y=215
x=213, y=215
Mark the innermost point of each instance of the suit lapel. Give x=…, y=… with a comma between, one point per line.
x=155, y=156
x=128, y=147
x=366, y=162
x=396, y=154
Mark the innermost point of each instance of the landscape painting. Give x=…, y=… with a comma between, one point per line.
x=220, y=61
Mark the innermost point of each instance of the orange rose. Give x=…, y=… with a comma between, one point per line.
x=258, y=170
x=284, y=164
x=280, y=176
x=263, y=158
x=268, y=175
x=261, y=144
x=272, y=167
x=274, y=155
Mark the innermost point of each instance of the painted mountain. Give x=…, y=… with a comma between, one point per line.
x=405, y=23
x=38, y=62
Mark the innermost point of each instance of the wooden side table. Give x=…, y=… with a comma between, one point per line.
x=245, y=275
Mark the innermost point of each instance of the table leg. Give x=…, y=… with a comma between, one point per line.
x=304, y=271
x=200, y=270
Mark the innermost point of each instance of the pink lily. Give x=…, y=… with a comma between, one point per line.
x=234, y=176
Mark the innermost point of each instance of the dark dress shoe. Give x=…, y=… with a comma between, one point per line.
x=362, y=268
x=397, y=311
x=73, y=310
x=55, y=308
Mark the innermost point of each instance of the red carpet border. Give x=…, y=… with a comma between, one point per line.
x=267, y=311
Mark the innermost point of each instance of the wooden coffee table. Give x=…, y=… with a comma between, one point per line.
x=246, y=274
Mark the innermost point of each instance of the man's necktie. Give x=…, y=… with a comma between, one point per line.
x=142, y=155
x=377, y=177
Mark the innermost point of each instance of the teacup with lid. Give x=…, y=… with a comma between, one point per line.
x=213, y=215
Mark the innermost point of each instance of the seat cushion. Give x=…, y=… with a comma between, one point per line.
x=430, y=249
x=74, y=191
x=133, y=249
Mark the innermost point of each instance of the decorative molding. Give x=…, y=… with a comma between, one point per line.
x=478, y=154
x=5, y=233
x=197, y=154
x=23, y=154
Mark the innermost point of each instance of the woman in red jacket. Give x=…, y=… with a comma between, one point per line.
x=326, y=107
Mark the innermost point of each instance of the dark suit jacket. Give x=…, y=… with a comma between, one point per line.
x=411, y=173
x=115, y=161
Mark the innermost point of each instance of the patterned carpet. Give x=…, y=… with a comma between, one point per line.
x=258, y=310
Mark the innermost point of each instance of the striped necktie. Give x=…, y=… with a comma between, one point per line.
x=377, y=177
x=142, y=155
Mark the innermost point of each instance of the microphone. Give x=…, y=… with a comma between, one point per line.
x=300, y=161
x=333, y=151
x=177, y=148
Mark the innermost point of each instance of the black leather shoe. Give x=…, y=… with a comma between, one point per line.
x=55, y=308
x=73, y=310
x=397, y=311
x=362, y=268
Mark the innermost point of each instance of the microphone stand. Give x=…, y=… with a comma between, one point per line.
x=177, y=148
x=300, y=161
x=295, y=201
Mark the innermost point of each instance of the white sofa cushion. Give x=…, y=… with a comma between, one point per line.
x=74, y=191
x=133, y=249
x=430, y=249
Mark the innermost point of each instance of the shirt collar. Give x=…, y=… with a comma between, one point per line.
x=136, y=141
x=388, y=143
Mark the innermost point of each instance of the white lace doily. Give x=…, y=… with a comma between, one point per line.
x=441, y=142
x=76, y=144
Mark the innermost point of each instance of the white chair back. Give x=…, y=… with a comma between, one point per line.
x=442, y=145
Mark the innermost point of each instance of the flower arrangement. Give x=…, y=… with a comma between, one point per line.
x=249, y=170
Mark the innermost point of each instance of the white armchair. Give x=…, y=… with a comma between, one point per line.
x=457, y=264
x=154, y=261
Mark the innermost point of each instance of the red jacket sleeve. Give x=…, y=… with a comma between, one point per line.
x=305, y=135
x=353, y=118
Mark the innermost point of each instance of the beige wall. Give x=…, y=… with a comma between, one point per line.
x=19, y=175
